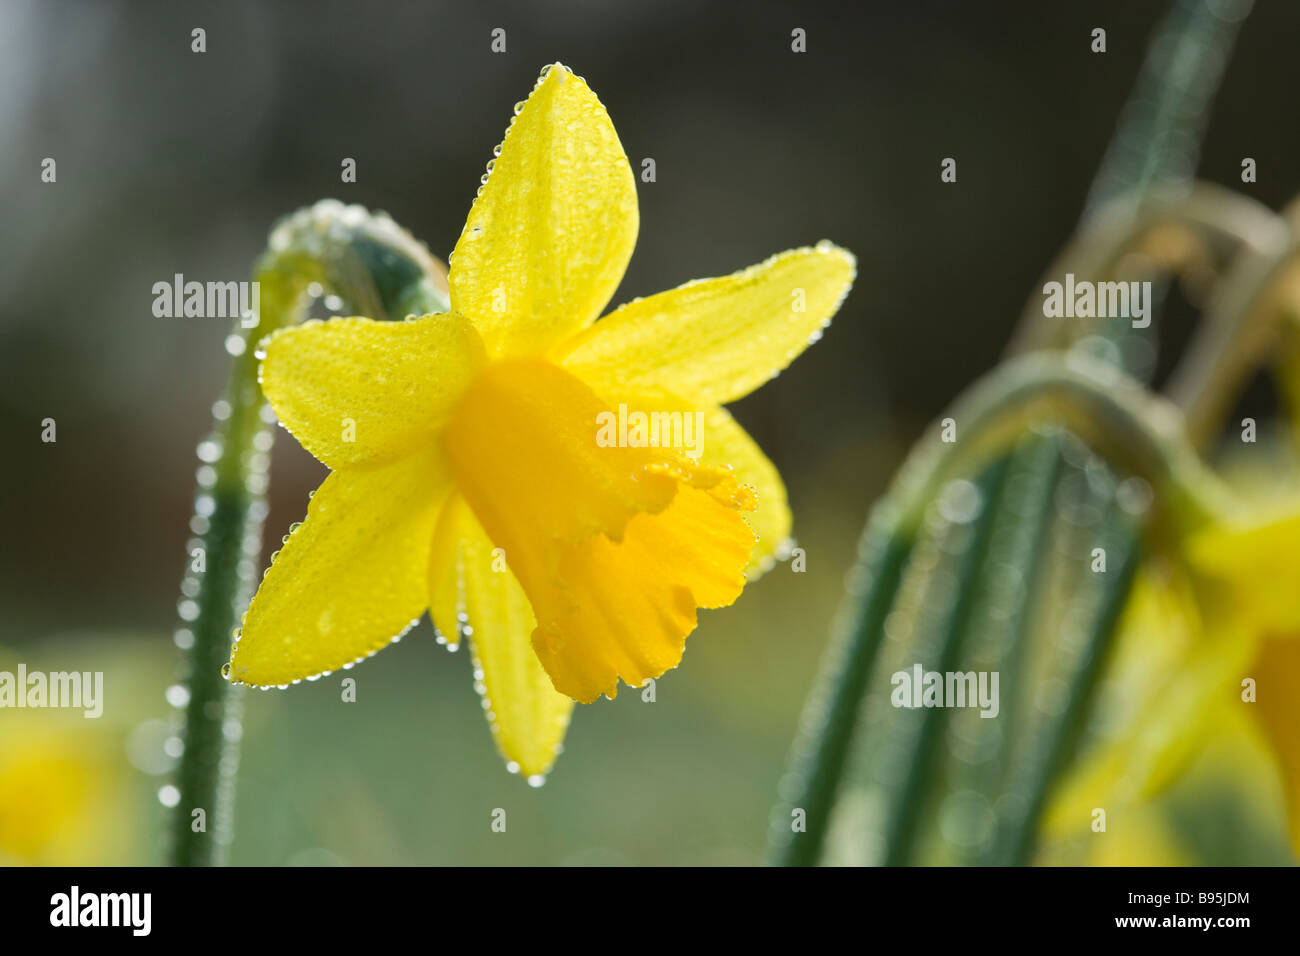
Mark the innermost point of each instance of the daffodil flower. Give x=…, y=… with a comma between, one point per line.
x=1213, y=635
x=466, y=475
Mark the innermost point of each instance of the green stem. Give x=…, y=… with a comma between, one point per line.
x=374, y=267
x=1240, y=330
x=1206, y=212
x=1099, y=404
x=1018, y=827
x=972, y=574
x=1136, y=192
x=798, y=825
x=1135, y=431
x=1023, y=519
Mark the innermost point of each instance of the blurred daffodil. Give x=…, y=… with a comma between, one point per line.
x=467, y=475
x=45, y=785
x=65, y=795
x=1206, y=639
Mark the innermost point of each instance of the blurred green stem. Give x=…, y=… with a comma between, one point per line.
x=377, y=269
x=1136, y=432
x=1241, y=328
x=972, y=574
x=1202, y=213
x=1143, y=189
x=807, y=791
x=1033, y=778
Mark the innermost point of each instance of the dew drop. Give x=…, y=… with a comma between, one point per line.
x=178, y=695
x=960, y=501
x=1134, y=495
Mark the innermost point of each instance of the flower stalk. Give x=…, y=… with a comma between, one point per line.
x=329, y=249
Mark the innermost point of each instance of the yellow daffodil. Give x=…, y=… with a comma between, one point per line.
x=1212, y=637
x=468, y=476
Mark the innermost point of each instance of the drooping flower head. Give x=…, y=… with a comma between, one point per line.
x=480, y=477
x=1210, y=640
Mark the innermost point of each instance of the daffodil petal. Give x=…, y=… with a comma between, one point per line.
x=550, y=235
x=350, y=579
x=1170, y=733
x=716, y=340
x=1277, y=707
x=615, y=544
x=359, y=391
x=1251, y=563
x=527, y=716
